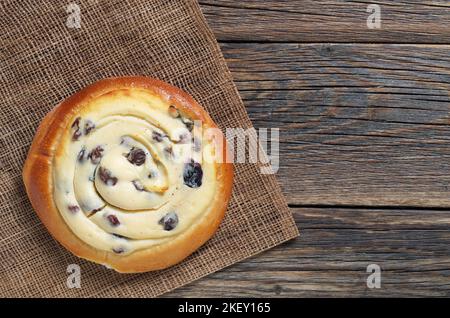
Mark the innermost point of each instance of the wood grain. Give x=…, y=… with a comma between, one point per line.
x=405, y=21
x=365, y=143
x=331, y=257
x=359, y=124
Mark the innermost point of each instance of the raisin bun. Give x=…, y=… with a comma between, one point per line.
x=130, y=173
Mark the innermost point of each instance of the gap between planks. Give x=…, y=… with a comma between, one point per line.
x=369, y=207
x=424, y=44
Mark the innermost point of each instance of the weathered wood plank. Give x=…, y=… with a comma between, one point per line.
x=331, y=256
x=359, y=124
x=403, y=21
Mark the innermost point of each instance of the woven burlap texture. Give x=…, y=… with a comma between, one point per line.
x=43, y=61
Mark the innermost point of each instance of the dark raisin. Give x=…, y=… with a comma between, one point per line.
x=96, y=154
x=106, y=177
x=169, y=151
x=113, y=220
x=125, y=140
x=184, y=138
x=74, y=208
x=118, y=250
x=173, y=112
x=76, y=134
x=88, y=127
x=169, y=221
x=188, y=123
x=138, y=185
x=158, y=137
x=81, y=154
x=76, y=123
x=136, y=156
x=96, y=210
x=193, y=174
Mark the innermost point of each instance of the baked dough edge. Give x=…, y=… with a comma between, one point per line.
x=38, y=180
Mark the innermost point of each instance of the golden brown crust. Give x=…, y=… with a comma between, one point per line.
x=37, y=176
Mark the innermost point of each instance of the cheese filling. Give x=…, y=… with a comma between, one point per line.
x=129, y=173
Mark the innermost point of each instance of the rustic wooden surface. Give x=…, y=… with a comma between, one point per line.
x=403, y=21
x=365, y=143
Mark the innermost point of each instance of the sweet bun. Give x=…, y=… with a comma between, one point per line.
x=130, y=173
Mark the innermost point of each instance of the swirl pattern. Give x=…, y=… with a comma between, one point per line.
x=129, y=172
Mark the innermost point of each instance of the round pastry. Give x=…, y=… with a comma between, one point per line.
x=130, y=173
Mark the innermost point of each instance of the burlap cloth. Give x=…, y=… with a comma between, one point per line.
x=43, y=61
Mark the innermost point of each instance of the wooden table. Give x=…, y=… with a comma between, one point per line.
x=365, y=143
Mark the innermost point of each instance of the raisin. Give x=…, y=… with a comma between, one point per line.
x=173, y=112
x=158, y=137
x=113, y=220
x=76, y=123
x=106, y=177
x=169, y=151
x=188, y=123
x=138, y=185
x=74, y=208
x=88, y=127
x=125, y=140
x=193, y=174
x=76, y=135
x=81, y=154
x=118, y=250
x=96, y=210
x=184, y=138
x=136, y=156
x=169, y=221
x=96, y=154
